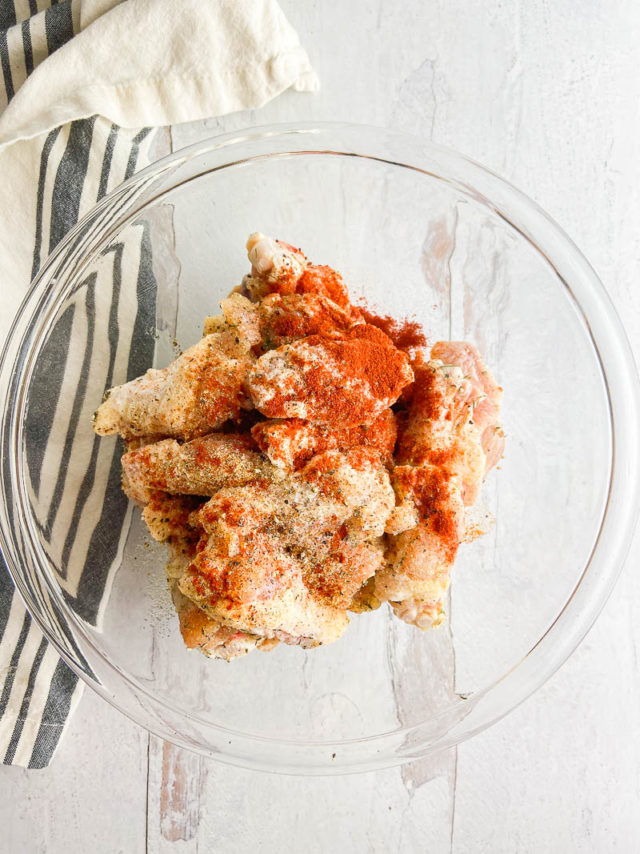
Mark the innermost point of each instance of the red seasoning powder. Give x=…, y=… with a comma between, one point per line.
x=366, y=357
x=406, y=334
x=319, y=279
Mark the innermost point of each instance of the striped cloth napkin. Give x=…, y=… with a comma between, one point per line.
x=87, y=86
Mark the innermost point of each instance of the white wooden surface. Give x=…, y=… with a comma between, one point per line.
x=547, y=94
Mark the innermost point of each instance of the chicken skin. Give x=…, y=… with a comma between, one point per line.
x=308, y=379
x=168, y=520
x=484, y=395
x=199, y=392
x=281, y=319
x=200, y=467
x=285, y=561
x=452, y=437
x=291, y=442
x=278, y=267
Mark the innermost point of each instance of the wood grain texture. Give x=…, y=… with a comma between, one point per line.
x=548, y=95
x=176, y=792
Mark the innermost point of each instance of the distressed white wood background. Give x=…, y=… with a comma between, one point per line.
x=548, y=95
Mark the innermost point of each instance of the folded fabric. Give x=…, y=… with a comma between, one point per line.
x=154, y=62
x=83, y=81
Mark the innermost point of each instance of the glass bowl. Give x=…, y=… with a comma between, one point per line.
x=417, y=230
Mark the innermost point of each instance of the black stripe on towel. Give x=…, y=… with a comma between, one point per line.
x=58, y=25
x=63, y=625
x=6, y=65
x=103, y=547
x=15, y=658
x=28, y=49
x=46, y=385
x=7, y=592
x=106, y=161
x=135, y=151
x=54, y=716
x=70, y=177
x=78, y=400
x=44, y=162
x=24, y=708
x=7, y=14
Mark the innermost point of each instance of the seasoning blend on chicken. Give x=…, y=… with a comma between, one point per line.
x=299, y=464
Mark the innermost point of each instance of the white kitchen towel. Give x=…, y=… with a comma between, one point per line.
x=83, y=82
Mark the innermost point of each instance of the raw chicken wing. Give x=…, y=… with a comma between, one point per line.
x=200, y=467
x=278, y=267
x=291, y=442
x=286, y=560
x=195, y=394
x=451, y=438
x=167, y=518
x=331, y=381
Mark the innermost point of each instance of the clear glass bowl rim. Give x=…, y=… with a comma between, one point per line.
x=618, y=372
